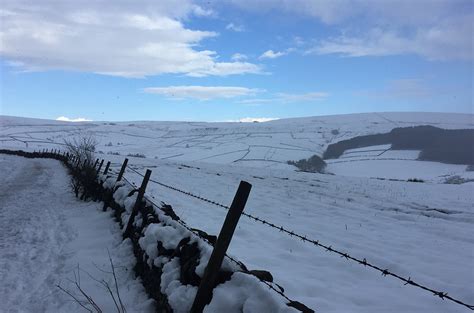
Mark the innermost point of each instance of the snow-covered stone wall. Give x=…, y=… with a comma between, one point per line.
x=171, y=259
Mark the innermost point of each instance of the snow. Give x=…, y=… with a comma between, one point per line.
x=418, y=230
x=397, y=169
x=47, y=236
x=243, y=293
x=180, y=297
x=382, y=162
x=247, y=292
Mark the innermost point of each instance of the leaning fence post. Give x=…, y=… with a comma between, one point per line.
x=96, y=161
x=204, y=293
x=107, y=168
x=100, y=166
x=122, y=170
x=109, y=197
x=136, y=207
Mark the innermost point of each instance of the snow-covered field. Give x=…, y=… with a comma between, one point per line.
x=419, y=230
x=382, y=162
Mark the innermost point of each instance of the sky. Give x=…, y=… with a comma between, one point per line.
x=229, y=60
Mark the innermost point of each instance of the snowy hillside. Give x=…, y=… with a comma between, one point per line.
x=418, y=230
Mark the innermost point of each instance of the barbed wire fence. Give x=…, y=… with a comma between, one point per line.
x=238, y=263
x=243, y=268
x=385, y=272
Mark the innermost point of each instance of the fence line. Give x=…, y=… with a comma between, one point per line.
x=328, y=248
x=187, y=227
x=238, y=263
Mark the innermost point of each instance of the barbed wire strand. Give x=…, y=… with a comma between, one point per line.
x=385, y=272
x=239, y=264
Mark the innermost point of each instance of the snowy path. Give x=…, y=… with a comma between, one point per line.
x=46, y=233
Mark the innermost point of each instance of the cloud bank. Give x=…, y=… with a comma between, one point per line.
x=202, y=92
x=129, y=38
x=435, y=30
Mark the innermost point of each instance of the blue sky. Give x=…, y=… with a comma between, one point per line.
x=230, y=60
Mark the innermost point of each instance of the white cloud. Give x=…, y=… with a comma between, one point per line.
x=329, y=11
x=441, y=42
x=235, y=28
x=436, y=30
x=238, y=57
x=302, y=97
x=406, y=12
x=226, y=68
x=127, y=39
x=270, y=54
x=202, y=92
x=67, y=119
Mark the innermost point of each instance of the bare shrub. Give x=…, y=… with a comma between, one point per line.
x=84, y=173
x=136, y=155
x=415, y=180
x=85, y=300
x=82, y=147
x=457, y=180
x=314, y=164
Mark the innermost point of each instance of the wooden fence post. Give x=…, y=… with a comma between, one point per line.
x=122, y=170
x=96, y=161
x=109, y=196
x=136, y=207
x=204, y=293
x=107, y=168
x=100, y=166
